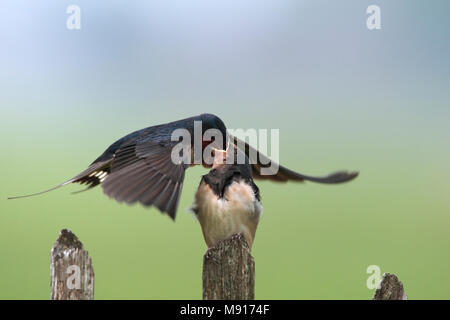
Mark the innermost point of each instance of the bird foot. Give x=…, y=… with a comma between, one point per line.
x=210, y=252
x=236, y=236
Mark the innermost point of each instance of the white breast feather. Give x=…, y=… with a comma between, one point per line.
x=237, y=212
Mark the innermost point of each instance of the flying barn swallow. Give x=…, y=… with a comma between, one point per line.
x=139, y=166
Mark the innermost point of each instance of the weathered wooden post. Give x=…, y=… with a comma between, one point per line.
x=229, y=271
x=72, y=274
x=390, y=288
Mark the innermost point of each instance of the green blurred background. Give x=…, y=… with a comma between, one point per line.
x=342, y=96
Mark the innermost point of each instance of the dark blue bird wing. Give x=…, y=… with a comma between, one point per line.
x=138, y=168
x=143, y=171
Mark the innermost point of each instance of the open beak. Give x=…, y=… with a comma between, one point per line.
x=220, y=157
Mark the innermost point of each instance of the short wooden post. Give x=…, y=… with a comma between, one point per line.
x=390, y=288
x=229, y=271
x=72, y=274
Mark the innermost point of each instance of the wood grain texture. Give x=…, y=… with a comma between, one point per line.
x=390, y=288
x=229, y=271
x=72, y=274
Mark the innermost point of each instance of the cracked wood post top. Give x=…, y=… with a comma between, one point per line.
x=72, y=274
x=390, y=288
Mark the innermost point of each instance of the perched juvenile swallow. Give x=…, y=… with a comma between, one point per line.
x=227, y=202
x=139, y=167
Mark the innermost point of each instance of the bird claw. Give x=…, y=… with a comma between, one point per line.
x=236, y=236
x=209, y=252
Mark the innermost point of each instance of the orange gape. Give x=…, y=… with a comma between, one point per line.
x=220, y=157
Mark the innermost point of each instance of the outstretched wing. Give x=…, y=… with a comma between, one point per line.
x=144, y=172
x=138, y=168
x=259, y=161
x=137, y=171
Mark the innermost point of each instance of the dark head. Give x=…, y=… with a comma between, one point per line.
x=222, y=175
x=210, y=121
